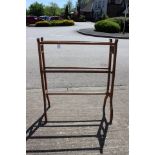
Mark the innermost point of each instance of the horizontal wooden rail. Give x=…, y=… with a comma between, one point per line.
x=76, y=42
x=75, y=71
x=74, y=68
x=75, y=93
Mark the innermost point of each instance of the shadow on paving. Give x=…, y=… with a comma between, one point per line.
x=40, y=123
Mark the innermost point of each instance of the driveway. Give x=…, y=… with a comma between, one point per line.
x=69, y=55
x=74, y=121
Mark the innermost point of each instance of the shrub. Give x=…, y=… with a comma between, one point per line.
x=54, y=23
x=103, y=17
x=42, y=24
x=82, y=18
x=68, y=22
x=120, y=21
x=107, y=26
x=62, y=23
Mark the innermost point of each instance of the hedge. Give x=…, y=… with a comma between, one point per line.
x=55, y=23
x=107, y=26
x=42, y=24
x=120, y=21
x=82, y=18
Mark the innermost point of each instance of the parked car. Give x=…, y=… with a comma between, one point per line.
x=32, y=19
x=55, y=18
x=45, y=17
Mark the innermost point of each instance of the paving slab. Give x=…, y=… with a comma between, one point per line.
x=73, y=123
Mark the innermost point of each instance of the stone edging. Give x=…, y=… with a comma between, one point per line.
x=92, y=32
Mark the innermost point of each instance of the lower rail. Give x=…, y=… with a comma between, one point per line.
x=76, y=93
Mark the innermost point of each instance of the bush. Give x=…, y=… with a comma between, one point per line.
x=82, y=18
x=107, y=26
x=68, y=22
x=120, y=21
x=103, y=17
x=62, y=23
x=54, y=23
x=42, y=24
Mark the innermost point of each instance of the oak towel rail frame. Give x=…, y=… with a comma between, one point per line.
x=109, y=70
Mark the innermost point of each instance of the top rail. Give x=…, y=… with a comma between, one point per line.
x=76, y=42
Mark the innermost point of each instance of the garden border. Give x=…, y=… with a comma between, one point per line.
x=92, y=32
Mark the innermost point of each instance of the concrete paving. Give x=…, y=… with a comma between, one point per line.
x=73, y=55
x=73, y=121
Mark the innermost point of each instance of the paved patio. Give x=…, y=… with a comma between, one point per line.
x=73, y=123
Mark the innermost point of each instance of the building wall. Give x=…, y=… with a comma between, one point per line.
x=99, y=8
x=115, y=1
x=115, y=8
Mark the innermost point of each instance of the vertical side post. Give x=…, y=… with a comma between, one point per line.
x=109, y=78
x=42, y=77
x=109, y=67
x=45, y=78
x=112, y=80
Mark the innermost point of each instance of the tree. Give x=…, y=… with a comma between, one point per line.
x=36, y=9
x=70, y=6
x=84, y=2
x=47, y=11
x=81, y=4
x=52, y=10
x=126, y=3
x=27, y=12
x=66, y=12
x=78, y=6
